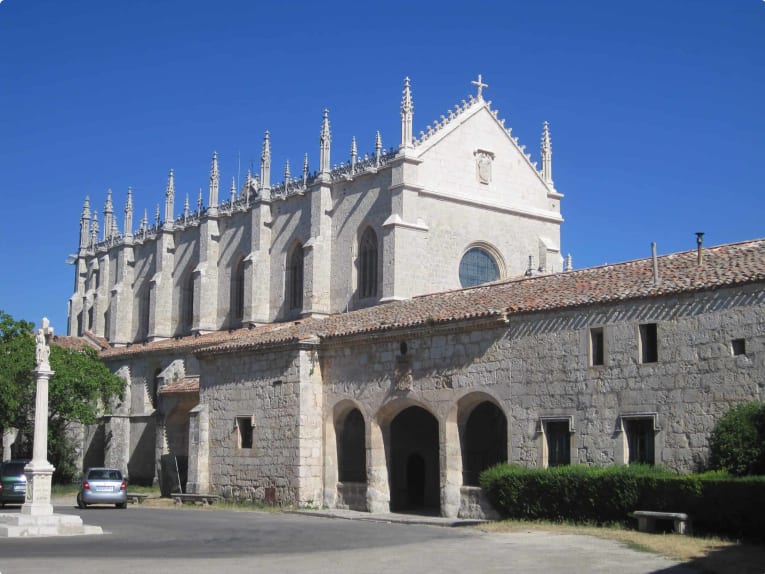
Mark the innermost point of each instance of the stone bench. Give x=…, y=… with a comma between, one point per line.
x=136, y=498
x=647, y=520
x=203, y=499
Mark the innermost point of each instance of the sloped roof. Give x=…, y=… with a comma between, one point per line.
x=184, y=385
x=77, y=343
x=725, y=265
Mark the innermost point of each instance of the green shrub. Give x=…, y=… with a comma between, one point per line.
x=717, y=503
x=737, y=444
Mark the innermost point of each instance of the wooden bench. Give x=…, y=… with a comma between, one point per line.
x=136, y=498
x=203, y=499
x=647, y=520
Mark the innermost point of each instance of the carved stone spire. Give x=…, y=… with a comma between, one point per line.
x=85, y=224
x=569, y=263
x=287, y=174
x=325, y=140
x=170, y=198
x=354, y=154
x=94, y=231
x=214, y=181
x=144, y=225
x=129, y=213
x=378, y=147
x=186, y=209
x=407, y=114
x=265, y=162
x=157, y=218
x=305, y=170
x=232, y=191
x=546, y=155
x=199, y=202
x=108, y=215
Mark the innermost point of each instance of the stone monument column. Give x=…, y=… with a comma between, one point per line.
x=39, y=472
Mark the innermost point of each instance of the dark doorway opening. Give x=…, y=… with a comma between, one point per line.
x=484, y=441
x=414, y=462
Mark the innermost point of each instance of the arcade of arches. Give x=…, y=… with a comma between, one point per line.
x=409, y=457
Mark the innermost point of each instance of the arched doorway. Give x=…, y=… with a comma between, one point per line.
x=351, y=448
x=484, y=441
x=414, y=458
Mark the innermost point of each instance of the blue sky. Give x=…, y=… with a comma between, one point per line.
x=655, y=108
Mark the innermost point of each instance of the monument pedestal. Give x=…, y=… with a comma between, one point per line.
x=24, y=525
x=39, y=475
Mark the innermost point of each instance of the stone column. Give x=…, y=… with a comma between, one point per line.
x=378, y=490
x=199, y=451
x=39, y=472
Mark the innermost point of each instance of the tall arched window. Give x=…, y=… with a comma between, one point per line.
x=367, y=270
x=295, y=279
x=478, y=266
x=187, y=304
x=237, y=294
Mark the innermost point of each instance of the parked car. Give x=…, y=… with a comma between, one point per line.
x=13, y=482
x=102, y=486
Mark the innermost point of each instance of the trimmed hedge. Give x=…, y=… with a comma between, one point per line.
x=715, y=502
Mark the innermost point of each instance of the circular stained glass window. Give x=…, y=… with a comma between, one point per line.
x=477, y=266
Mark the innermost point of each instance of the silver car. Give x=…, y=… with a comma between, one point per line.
x=103, y=486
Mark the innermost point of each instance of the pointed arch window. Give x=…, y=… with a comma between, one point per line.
x=237, y=294
x=187, y=304
x=367, y=270
x=295, y=279
x=478, y=266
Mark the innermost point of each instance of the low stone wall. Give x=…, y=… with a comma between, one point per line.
x=352, y=495
x=474, y=504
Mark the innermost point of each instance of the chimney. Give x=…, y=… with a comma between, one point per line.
x=655, y=264
x=699, y=243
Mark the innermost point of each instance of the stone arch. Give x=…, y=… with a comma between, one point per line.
x=413, y=456
x=346, y=460
x=483, y=431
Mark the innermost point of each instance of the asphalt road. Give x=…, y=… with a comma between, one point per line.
x=207, y=541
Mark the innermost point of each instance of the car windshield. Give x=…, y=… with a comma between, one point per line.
x=104, y=474
x=13, y=468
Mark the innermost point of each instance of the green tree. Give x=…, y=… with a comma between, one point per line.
x=17, y=356
x=81, y=388
x=737, y=443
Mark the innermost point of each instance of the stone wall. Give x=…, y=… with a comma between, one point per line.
x=264, y=388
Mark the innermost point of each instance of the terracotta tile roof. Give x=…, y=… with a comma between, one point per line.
x=731, y=264
x=185, y=385
x=77, y=343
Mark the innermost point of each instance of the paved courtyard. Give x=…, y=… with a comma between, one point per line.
x=204, y=541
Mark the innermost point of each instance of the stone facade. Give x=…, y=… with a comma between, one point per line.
x=348, y=403
x=465, y=184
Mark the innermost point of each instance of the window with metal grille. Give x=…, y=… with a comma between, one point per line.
x=477, y=266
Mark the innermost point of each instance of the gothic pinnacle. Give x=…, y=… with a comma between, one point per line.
x=407, y=114
x=546, y=155
x=233, y=190
x=325, y=140
x=265, y=162
x=305, y=170
x=129, y=212
x=108, y=215
x=170, y=198
x=287, y=174
x=214, y=181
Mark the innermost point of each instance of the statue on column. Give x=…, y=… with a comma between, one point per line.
x=42, y=351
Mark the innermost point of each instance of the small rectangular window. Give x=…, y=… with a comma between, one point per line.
x=244, y=430
x=558, y=437
x=596, y=346
x=649, y=343
x=738, y=346
x=640, y=440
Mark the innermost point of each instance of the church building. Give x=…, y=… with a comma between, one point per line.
x=373, y=335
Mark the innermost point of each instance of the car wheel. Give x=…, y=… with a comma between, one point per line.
x=121, y=505
x=80, y=503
